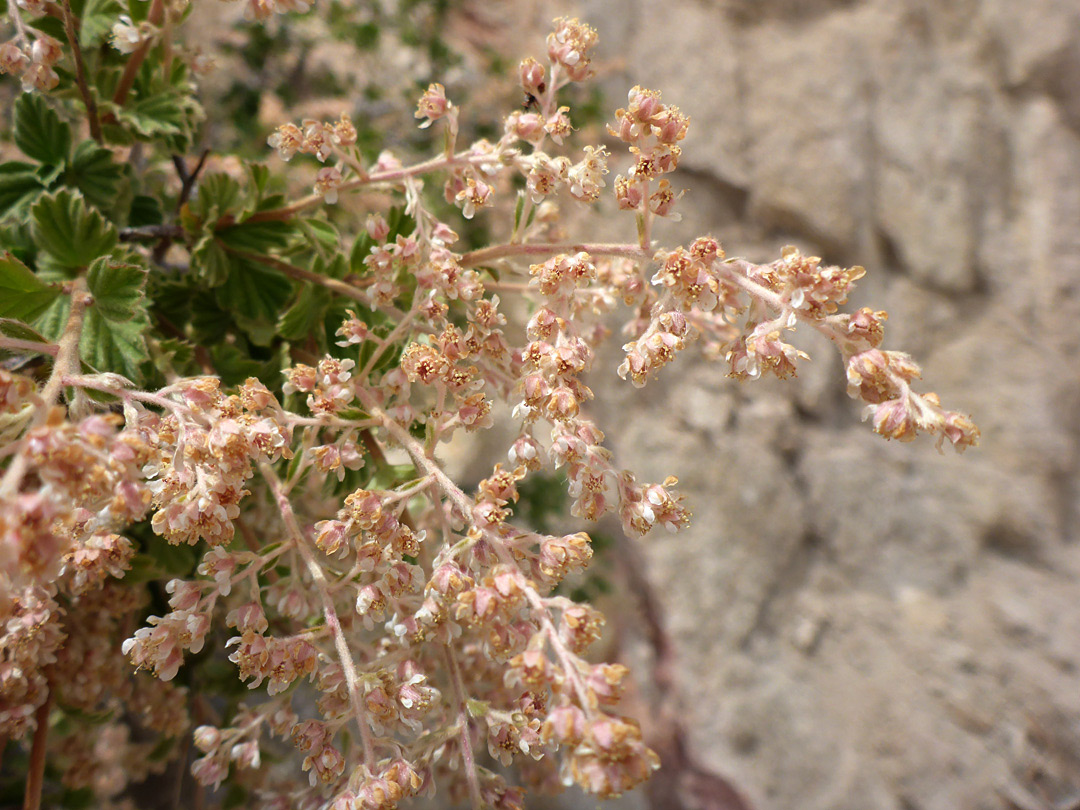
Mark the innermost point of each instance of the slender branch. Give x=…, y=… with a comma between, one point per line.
x=151, y=233
x=352, y=681
x=427, y=465
x=131, y=69
x=36, y=776
x=67, y=362
x=300, y=274
x=21, y=35
x=467, y=755
x=14, y=344
x=490, y=254
x=389, y=176
x=187, y=179
x=80, y=73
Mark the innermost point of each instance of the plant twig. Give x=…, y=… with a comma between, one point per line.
x=131, y=69
x=150, y=233
x=80, y=73
x=467, y=755
x=300, y=274
x=67, y=362
x=36, y=775
x=489, y=254
x=341, y=644
x=14, y=344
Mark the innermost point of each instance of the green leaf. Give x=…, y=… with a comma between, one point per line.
x=22, y=294
x=68, y=230
x=93, y=171
x=117, y=283
x=257, y=237
x=113, y=345
x=97, y=19
x=322, y=232
x=116, y=346
x=255, y=297
x=301, y=319
x=20, y=331
x=215, y=195
x=39, y=132
x=209, y=261
x=19, y=186
x=160, y=115
x=145, y=210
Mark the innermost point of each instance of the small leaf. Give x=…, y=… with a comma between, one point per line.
x=117, y=283
x=93, y=171
x=97, y=19
x=72, y=233
x=115, y=346
x=39, y=132
x=323, y=232
x=19, y=186
x=306, y=314
x=23, y=295
x=255, y=297
x=145, y=210
x=105, y=345
x=210, y=262
x=257, y=237
x=215, y=195
x=161, y=114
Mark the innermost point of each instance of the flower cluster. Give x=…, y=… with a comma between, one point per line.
x=652, y=131
x=407, y=634
x=206, y=445
x=33, y=62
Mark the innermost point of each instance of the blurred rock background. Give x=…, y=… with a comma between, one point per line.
x=856, y=624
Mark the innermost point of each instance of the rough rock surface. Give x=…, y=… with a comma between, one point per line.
x=860, y=624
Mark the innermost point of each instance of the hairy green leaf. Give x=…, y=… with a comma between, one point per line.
x=22, y=294
x=19, y=186
x=117, y=283
x=71, y=232
x=255, y=297
x=39, y=132
x=216, y=195
x=257, y=237
x=105, y=345
x=210, y=262
x=93, y=171
x=97, y=19
x=114, y=345
x=145, y=210
x=305, y=316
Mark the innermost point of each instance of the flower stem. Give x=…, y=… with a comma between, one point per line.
x=36, y=776
x=348, y=667
x=67, y=362
x=490, y=254
x=80, y=73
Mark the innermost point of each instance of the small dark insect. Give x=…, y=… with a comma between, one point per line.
x=531, y=102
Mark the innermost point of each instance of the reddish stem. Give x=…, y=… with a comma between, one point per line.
x=36, y=777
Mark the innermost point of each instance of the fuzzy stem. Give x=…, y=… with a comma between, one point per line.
x=80, y=73
x=390, y=176
x=131, y=70
x=318, y=578
x=300, y=274
x=14, y=344
x=490, y=254
x=67, y=361
x=36, y=776
x=467, y=755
